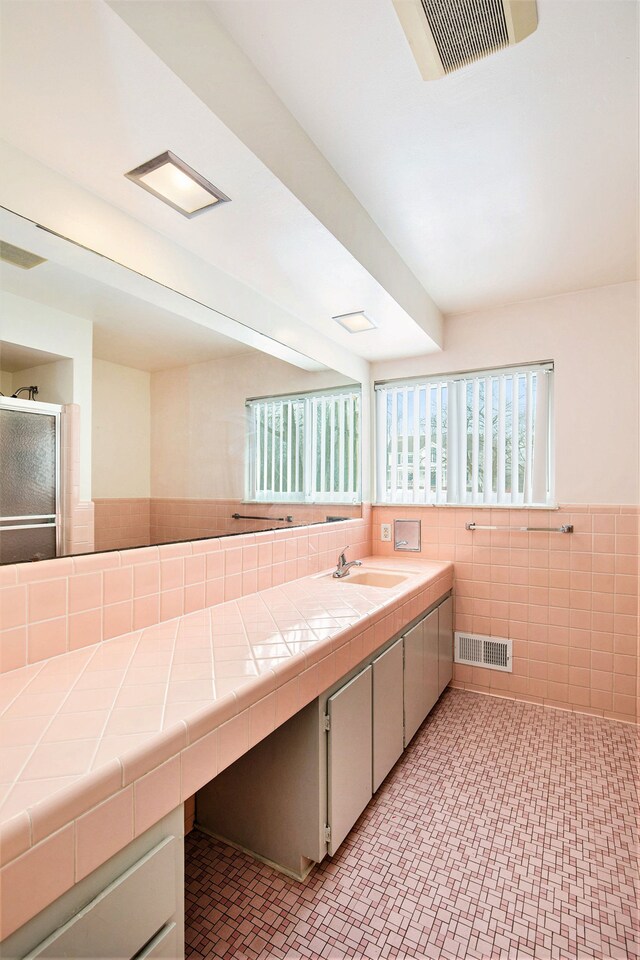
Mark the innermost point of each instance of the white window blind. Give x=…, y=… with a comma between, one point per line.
x=482, y=437
x=304, y=448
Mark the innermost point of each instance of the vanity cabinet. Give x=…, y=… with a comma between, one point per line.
x=350, y=727
x=365, y=724
x=414, y=698
x=387, y=711
x=445, y=644
x=144, y=884
x=421, y=665
x=294, y=797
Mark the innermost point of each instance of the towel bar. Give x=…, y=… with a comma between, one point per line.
x=565, y=528
x=241, y=516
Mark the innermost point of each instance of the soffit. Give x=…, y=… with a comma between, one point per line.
x=86, y=97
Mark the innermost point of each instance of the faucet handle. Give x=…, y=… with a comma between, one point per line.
x=343, y=553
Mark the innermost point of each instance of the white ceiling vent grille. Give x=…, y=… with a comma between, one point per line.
x=446, y=35
x=494, y=653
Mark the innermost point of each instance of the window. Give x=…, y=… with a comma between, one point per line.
x=482, y=437
x=304, y=448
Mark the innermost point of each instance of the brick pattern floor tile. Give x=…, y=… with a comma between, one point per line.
x=507, y=830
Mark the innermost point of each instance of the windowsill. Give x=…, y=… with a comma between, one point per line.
x=302, y=503
x=471, y=506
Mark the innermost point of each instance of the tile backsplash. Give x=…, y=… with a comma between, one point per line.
x=569, y=602
x=134, y=522
x=53, y=606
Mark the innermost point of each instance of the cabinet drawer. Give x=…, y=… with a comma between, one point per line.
x=125, y=916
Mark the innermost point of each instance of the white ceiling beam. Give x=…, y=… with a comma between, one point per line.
x=142, y=262
x=188, y=38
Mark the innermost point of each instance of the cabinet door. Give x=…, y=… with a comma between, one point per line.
x=349, y=756
x=414, y=712
x=430, y=662
x=387, y=712
x=165, y=945
x=145, y=894
x=445, y=643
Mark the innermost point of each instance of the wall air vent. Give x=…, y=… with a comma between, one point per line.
x=19, y=257
x=493, y=653
x=446, y=35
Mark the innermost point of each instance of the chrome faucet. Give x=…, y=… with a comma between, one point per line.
x=344, y=565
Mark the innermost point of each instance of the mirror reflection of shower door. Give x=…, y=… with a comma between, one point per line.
x=29, y=480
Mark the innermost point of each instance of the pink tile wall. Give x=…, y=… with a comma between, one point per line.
x=121, y=523
x=77, y=515
x=53, y=606
x=185, y=519
x=569, y=602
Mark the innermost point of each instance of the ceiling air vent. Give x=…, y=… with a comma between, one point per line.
x=19, y=257
x=446, y=35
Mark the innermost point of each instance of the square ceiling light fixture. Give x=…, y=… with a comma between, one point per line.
x=355, y=322
x=172, y=180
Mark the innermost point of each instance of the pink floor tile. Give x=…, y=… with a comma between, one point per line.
x=506, y=831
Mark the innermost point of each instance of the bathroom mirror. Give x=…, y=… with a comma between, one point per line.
x=154, y=449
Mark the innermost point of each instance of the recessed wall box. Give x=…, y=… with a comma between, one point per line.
x=406, y=535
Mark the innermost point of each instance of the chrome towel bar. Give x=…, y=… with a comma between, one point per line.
x=565, y=528
x=241, y=516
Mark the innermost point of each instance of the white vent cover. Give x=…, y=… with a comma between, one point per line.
x=446, y=35
x=494, y=653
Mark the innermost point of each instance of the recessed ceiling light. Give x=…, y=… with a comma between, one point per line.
x=172, y=180
x=355, y=322
x=19, y=257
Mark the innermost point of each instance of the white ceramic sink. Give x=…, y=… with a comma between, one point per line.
x=373, y=578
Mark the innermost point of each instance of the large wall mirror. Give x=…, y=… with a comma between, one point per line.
x=156, y=439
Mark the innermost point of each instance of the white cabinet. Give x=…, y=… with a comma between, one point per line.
x=388, y=719
x=166, y=945
x=145, y=894
x=348, y=756
x=413, y=681
x=431, y=654
x=421, y=653
x=445, y=643
x=132, y=906
x=294, y=797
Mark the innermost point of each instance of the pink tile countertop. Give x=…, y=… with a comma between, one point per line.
x=98, y=744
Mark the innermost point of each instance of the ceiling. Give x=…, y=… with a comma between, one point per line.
x=129, y=107
x=514, y=178
x=126, y=329
x=14, y=357
x=136, y=321
x=354, y=184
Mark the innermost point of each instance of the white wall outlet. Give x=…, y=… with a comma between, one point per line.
x=385, y=532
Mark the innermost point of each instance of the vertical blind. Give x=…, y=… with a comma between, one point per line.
x=482, y=437
x=304, y=448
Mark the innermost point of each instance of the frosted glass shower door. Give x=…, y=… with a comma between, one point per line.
x=29, y=480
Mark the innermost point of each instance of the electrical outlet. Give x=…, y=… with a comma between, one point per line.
x=385, y=532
